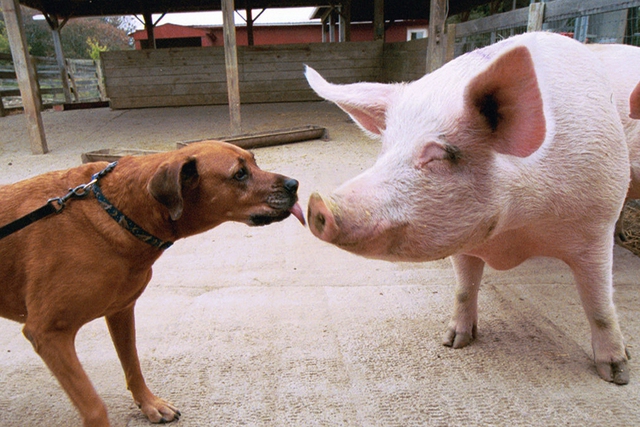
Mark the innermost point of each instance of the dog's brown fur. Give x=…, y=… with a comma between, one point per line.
x=75, y=266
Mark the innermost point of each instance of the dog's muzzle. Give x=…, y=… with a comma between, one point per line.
x=283, y=203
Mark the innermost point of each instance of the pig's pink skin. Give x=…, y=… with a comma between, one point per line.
x=622, y=62
x=506, y=153
x=353, y=236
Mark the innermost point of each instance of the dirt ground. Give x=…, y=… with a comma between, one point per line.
x=269, y=326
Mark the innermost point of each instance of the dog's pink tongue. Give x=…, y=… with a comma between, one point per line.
x=296, y=211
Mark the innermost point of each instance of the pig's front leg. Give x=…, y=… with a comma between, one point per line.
x=464, y=322
x=593, y=273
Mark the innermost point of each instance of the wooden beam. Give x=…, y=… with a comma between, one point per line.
x=250, y=41
x=332, y=26
x=324, y=29
x=149, y=26
x=26, y=75
x=378, y=20
x=341, y=27
x=450, y=48
x=436, y=41
x=56, y=27
x=491, y=23
x=346, y=14
x=536, y=17
x=231, y=64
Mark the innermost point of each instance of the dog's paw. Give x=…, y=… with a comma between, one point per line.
x=160, y=411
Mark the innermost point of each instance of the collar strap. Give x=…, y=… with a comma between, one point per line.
x=126, y=222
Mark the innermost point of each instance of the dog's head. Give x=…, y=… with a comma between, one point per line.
x=207, y=183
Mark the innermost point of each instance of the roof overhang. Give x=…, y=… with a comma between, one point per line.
x=361, y=10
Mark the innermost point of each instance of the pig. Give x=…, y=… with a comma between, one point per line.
x=508, y=152
x=622, y=63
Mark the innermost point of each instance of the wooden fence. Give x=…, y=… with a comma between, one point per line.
x=275, y=73
x=590, y=21
x=404, y=61
x=197, y=76
x=84, y=76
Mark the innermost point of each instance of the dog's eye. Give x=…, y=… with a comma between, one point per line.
x=241, y=175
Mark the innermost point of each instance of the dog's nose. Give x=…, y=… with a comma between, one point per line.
x=291, y=185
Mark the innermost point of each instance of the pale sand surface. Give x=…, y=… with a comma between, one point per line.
x=272, y=327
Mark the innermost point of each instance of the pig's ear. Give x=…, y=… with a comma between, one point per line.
x=634, y=103
x=366, y=103
x=505, y=104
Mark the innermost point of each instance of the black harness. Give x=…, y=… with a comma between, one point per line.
x=57, y=205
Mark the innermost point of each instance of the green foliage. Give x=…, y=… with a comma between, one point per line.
x=4, y=41
x=38, y=36
x=77, y=32
x=95, y=48
x=110, y=33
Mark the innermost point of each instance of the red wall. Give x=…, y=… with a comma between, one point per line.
x=172, y=31
x=277, y=34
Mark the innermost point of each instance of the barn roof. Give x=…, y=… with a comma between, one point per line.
x=361, y=10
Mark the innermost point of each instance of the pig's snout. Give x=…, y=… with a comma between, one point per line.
x=322, y=220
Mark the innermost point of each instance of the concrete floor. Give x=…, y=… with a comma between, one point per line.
x=272, y=327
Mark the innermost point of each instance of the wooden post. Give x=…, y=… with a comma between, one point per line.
x=450, y=49
x=378, y=20
x=324, y=30
x=326, y=25
x=56, y=27
x=2, y=111
x=536, y=17
x=100, y=76
x=148, y=25
x=74, y=86
x=435, y=43
x=332, y=26
x=26, y=75
x=62, y=64
x=250, y=41
x=231, y=62
x=346, y=14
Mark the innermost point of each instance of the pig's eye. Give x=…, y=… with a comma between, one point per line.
x=438, y=152
x=453, y=153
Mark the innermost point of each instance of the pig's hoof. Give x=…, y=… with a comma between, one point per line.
x=615, y=372
x=455, y=339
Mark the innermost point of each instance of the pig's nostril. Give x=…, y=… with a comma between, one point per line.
x=319, y=222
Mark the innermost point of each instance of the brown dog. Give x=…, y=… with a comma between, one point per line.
x=79, y=264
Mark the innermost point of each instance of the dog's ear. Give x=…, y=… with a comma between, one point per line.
x=169, y=182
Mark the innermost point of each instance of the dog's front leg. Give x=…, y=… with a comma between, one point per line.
x=56, y=347
x=122, y=328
